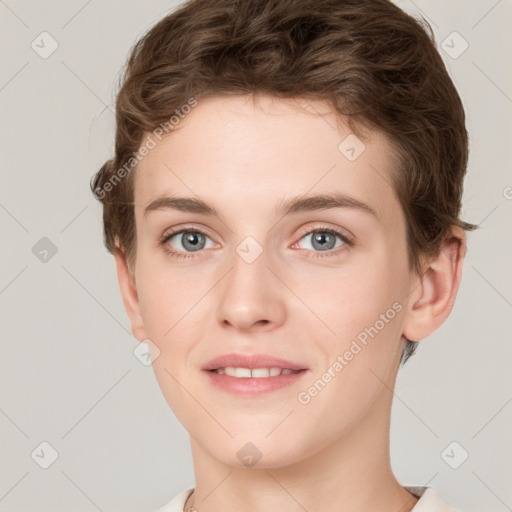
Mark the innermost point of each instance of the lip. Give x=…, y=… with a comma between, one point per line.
x=251, y=361
x=252, y=385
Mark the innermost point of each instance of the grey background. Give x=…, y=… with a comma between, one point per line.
x=68, y=373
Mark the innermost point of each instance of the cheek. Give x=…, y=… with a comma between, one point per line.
x=166, y=296
x=362, y=307
x=354, y=298
x=169, y=308
x=364, y=310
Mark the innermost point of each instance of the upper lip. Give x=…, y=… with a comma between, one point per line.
x=251, y=361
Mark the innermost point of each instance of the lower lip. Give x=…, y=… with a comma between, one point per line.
x=251, y=385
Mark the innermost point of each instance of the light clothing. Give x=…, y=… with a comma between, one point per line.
x=429, y=501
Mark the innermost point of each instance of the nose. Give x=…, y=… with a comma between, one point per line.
x=251, y=296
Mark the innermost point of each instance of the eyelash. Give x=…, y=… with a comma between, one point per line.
x=317, y=254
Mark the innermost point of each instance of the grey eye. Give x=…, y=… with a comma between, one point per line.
x=189, y=241
x=321, y=240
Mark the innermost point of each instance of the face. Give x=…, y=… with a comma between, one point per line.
x=323, y=285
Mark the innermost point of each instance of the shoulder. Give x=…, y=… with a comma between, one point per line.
x=177, y=503
x=429, y=500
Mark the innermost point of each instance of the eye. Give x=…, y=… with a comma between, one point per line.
x=323, y=240
x=186, y=241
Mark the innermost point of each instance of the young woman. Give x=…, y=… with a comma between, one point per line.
x=283, y=207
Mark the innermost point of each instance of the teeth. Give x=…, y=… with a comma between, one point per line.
x=261, y=372
x=256, y=373
x=242, y=372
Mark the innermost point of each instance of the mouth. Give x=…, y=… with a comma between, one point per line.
x=254, y=373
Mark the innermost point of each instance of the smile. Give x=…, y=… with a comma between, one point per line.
x=256, y=373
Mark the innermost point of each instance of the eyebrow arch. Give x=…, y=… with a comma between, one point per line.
x=294, y=205
x=322, y=202
x=184, y=204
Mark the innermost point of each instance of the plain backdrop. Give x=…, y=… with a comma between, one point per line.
x=68, y=374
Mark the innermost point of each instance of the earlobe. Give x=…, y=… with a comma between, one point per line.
x=433, y=295
x=129, y=294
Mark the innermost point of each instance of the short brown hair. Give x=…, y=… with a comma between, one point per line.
x=372, y=62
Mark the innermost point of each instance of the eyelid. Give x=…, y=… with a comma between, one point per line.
x=187, y=227
x=344, y=233
x=302, y=231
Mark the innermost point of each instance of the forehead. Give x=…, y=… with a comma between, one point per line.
x=253, y=152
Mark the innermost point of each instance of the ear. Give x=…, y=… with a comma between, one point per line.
x=433, y=294
x=129, y=293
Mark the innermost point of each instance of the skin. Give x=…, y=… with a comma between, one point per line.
x=244, y=156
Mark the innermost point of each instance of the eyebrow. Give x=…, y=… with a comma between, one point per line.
x=322, y=202
x=183, y=204
x=297, y=204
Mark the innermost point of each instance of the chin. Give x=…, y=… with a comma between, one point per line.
x=255, y=454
